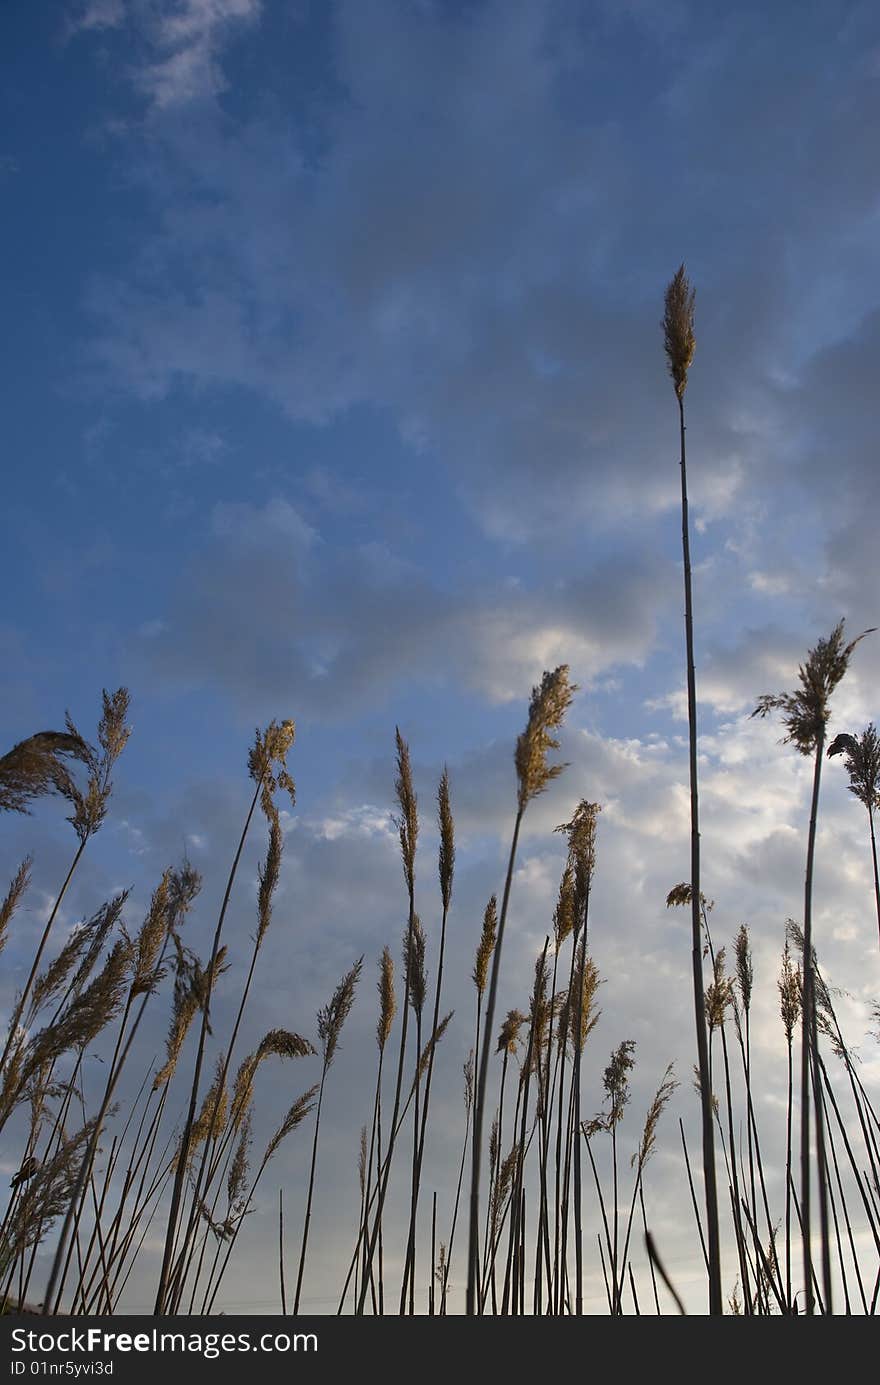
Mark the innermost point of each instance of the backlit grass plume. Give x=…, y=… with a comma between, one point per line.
x=486, y=946
x=805, y=713
x=678, y=329
x=862, y=760
x=331, y=1018
x=550, y=701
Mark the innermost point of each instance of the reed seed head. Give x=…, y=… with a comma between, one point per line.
x=805, y=712
x=486, y=946
x=549, y=702
x=447, y=840
x=334, y=1014
x=408, y=821
x=387, y=1000
x=414, y=964
x=678, y=329
x=862, y=760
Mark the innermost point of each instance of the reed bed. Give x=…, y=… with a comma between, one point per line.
x=552, y=1187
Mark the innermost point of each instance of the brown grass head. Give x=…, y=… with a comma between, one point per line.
x=36, y=766
x=549, y=703
x=648, y=1141
x=486, y=946
x=616, y=1079
x=407, y=822
x=678, y=329
x=564, y=915
x=430, y=1046
x=192, y=985
x=387, y=999
x=468, y=1070
x=447, y=840
x=90, y=808
x=267, y=763
x=295, y=1116
x=745, y=972
x=587, y=972
x=414, y=963
x=17, y=886
x=333, y=1015
x=719, y=993
x=508, y=1036
x=805, y=712
x=581, y=833
x=862, y=760
x=362, y=1161
x=789, y=986
x=269, y=872
x=151, y=939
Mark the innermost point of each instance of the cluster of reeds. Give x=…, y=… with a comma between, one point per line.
x=526, y=1232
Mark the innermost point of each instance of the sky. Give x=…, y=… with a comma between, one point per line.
x=334, y=389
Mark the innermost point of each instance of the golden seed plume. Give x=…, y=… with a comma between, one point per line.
x=295, y=1116
x=789, y=985
x=19, y=883
x=655, y=1111
x=486, y=946
x=150, y=939
x=267, y=763
x=581, y=833
x=333, y=1015
x=678, y=329
x=719, y=993
x=508, y=1036
x=278, y=1043
x=805, y=712
x=745, y=972
x=236, y=1183
x=408, y=822
x=191, y=985
x=862, y=760
x=414, y=964
x=447, y=839
x=387, y=1000
x=615, y=1080
x=585, y=968
x=468, y=1070
x=269, y=873
x=432, y=1043
x=549, y=703
x=564, y=913
x=362, y=1161
x=36, y=766
x=90, y=808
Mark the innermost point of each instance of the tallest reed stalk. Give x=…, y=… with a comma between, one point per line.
x=678, y=327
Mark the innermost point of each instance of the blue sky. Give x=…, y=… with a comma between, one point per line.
x=335, y=390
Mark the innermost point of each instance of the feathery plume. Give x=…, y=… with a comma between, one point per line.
x=35, y=767
x=805, y=712
x=414, y=962
x=19, y=883
x=295, y=1116
x=549, y=702
x=678, y=329
x=655, y=1111
x=408, y=822
x=862, y=760
x=333, y=1015
x=447, y=839
x=508, y=1036
x=387, y=1000
x=745, y=972
x=486, y=946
